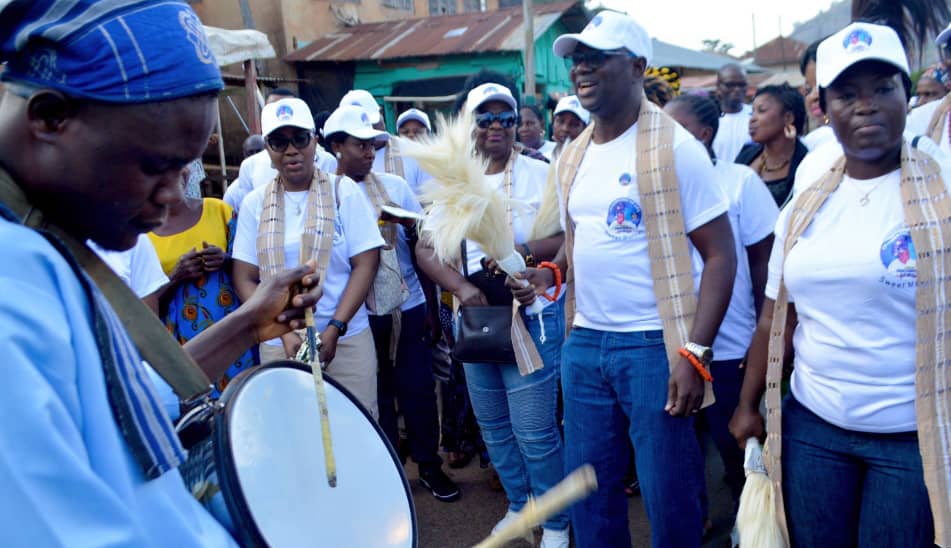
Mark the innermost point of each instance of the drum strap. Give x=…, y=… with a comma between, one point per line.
x=150, y=337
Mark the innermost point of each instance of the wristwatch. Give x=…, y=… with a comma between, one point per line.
x=702, y=353
x=341, y=326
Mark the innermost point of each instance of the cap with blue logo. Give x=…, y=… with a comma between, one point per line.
x=117, y=51
x=414, y=114
x=608, y=30
x=856, y=43
x=487, y=92
x=286, y=112
x=571, y=104
x=353, y=121
x=364, y=100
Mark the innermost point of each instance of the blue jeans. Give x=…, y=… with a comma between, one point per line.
x=727, y=382
x=517, y=416
x=848, y=488
x=615, y=389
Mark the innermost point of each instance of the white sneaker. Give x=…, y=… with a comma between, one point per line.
x=554, y=539
x=509, y=517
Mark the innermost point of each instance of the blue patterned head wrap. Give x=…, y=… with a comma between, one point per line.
x=115, y=51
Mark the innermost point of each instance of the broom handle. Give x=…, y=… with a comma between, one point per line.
x=329, y=460
x=512, y=264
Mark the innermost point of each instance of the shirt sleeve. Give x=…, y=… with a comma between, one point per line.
x=52, y=496
x=246, y=235
x=701, y=199
x=776, y=257
x=360, y=225
x=758, y=210
x=146, y=269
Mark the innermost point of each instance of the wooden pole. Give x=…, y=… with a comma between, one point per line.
x=221, y=147
x=251, y=97
x=529, y=28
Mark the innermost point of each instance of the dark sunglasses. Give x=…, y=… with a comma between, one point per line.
x=594, y=58
x=279, y=143
x=506, y=119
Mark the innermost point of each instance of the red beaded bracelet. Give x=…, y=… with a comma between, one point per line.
x=557, y=272
x=695, y=362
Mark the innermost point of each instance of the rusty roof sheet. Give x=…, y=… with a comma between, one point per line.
x=498, y=30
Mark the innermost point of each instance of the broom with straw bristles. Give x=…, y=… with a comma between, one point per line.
x=756, y=520
x=461, y=203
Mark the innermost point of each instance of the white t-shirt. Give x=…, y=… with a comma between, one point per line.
x=852, y=277
x=256, y=170
x=752, y=215
x=139, y=267
x=412, y=173
x=355, y=231
x=818, y=137
x=614, y=288
x=734, y=132
x=547, y=148
x=402, y=195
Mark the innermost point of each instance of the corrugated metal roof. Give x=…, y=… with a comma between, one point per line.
x=499, y=30
x=670, y=55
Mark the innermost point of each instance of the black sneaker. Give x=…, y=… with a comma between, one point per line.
x=439, y=484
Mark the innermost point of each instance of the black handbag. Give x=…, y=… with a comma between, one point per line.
x=484, y=333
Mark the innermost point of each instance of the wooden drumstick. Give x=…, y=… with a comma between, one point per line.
x=576, y=486
x=307, y=240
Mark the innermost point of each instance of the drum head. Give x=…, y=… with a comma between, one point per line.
x=271, y=463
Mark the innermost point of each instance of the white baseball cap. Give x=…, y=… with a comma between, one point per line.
x=608, y=30
x=286, y=112
x=571, y=104
x=414, y=114
x=353, y=121
x=365, y=100
x=490, y=92
x=944, y=36
x=856, y=43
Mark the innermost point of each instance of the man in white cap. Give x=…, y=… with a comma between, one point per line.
x=413, y=123
x=931, y=120
x=635, y=194
x=256, y=170
x=388, y=158
x=569, y=121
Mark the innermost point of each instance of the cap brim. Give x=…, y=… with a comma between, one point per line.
x=287, y=124
x=566, y=43
x=943, y=37
x=827, y=81
x=419, y=119
x=368, y=134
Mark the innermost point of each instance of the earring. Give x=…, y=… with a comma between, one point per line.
x=825, y=119
x=338, y=155
x=790, y=131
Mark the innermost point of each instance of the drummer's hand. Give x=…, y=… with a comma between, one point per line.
x=539, y=280
x=277, y=305
x=470, y=295
x=292, y=343
x=328, y=345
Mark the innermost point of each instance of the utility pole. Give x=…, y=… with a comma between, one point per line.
x=529, y=53
x=782, y=42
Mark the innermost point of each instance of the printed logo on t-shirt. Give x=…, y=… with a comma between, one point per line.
x=624, y=219
x=625, y=179
x=899, y=258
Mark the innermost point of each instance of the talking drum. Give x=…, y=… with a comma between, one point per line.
x=256, y=461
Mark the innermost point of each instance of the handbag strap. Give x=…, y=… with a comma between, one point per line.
x=465, y=260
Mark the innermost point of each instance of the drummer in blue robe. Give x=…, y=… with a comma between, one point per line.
x=105, y=102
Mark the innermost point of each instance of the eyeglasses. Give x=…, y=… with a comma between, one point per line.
x=279, y=143
x=594, y=58
x=506, y=119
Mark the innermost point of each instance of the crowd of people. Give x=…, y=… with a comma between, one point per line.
x=694, y=256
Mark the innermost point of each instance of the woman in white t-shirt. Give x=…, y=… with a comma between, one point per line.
x=302, y=195
x=517, y=414
x=407, y=376
x=851, y=444
x=752, y=215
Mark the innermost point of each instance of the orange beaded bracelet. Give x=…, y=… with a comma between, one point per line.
x=557, y=272
x=695, y=362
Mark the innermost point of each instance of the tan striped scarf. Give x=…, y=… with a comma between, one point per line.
x=936, y=126
x=669, y=254
x=927, y=209
x=318, y=223
x=392, y=159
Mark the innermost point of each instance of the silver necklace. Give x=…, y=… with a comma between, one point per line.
x=864, y=200
x=296, y=202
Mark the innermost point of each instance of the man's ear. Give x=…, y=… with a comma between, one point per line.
x=706, y=134
x=639, y=65
x=48, y=112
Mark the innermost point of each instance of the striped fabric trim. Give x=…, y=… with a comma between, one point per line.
x=62, y=19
